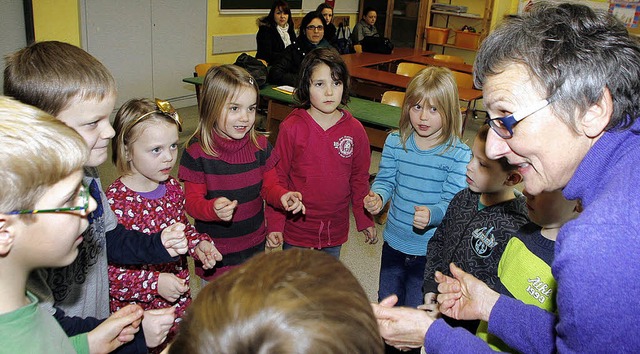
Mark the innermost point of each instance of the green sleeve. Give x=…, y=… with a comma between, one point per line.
x=80, y=343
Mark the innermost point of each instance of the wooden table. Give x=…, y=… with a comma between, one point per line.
x=426, y=60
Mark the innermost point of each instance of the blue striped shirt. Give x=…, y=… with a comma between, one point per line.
x=415, y=177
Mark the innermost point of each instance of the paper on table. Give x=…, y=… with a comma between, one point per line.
x=285, y=89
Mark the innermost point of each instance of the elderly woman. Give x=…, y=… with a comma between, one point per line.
x=284, y=70
x=562, y=87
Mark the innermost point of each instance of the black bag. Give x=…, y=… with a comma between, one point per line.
x=254, y=66
x=376, y=44
x=343, y=40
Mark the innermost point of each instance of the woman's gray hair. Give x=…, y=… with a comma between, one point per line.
x=573, y=53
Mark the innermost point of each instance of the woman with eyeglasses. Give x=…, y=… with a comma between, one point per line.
x=284, y=70
x=275, y=31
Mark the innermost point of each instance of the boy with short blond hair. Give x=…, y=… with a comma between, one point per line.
x=70, y=84
x=43, y=212
x=479, y=221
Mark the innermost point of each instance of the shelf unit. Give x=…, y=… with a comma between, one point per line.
x=454, y=21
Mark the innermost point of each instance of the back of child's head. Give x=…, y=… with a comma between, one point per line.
x=36, y=152
x=295, y=301
x=433, y=86
x=481, y=136
x=221, y=84
x=49, y=75
x=329, y=57
x=133, y=117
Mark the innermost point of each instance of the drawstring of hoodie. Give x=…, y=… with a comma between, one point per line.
x=320, y=229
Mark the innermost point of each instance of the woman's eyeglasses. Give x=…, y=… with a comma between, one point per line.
x=82, y=197
x=503, y=126
x=315, y=28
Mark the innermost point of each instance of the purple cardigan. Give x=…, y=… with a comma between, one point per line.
x=597, y=266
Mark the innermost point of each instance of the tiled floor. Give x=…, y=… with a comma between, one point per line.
x=361, y=258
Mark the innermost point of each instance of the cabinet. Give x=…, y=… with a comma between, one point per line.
x=402, y=21
x=445, y=23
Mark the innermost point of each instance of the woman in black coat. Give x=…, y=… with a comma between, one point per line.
x=275, y=31
x=329, y=29
x=286, y=67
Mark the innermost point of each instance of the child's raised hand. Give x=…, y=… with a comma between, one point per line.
x=370, y=235
x=421, y=217
x=274, y=239
x=171, y=287
x=174, y=239
x=292, y=202
x=117, y=329
x=208, y=254
x=224, y=208
x=431, y=305
x=156, y=325
x=373, y=203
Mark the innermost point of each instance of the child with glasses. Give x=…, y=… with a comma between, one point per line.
x=43, y=213
x=286, y=67
x=70, y=84
x=147, y=198
x=422, y=168
x=228, y=170
x=479, y=223
x=324, y=154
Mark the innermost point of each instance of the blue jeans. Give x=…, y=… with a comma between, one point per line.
x=334, y=251
x=403, y=275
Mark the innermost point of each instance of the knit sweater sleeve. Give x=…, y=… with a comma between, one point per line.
x=359, y=180
x=284, y=149
x=455, y=182
x=196, y=204
x=385, y=181
x=441, y=338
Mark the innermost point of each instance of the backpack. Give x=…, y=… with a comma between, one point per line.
x=254, y=66
x=377, y=44
x=343, y=40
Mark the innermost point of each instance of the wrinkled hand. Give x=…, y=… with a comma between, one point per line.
x=464, y=297
x=224, y=208
x=292, y=202
x=171, y=287
x=174, y=239
x=208, y=254
x=117, y=329
x=370, y=235
x=430, y=305
x=373, y=203
x=421, y=217
x=401, y=327
x=274, y=239
x=156, y=325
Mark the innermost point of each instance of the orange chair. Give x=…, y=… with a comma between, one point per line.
x=201, y=70
x=393, y=98
x=449, y=58
x=357, y=48
x=409, y=69
x=464, y=80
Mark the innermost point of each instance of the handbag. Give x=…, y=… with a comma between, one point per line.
x=377, y=44
x=254, y=66
x=343, y=40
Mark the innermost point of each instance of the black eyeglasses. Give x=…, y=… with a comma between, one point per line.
x=82, y=197
x=503, y=126
x=315, y=28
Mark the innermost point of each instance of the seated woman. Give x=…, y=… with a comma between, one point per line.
x=366, y=26
x=275, y=31
x=294, y=301
x=284, y=70
x=329, y=28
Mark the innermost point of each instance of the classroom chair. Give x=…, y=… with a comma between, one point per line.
x=201, y=70
x=357, y=48
x=465, y=80
x=449, y=58
x=393, y=98
x=409, y=69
